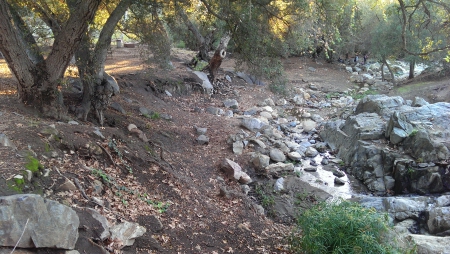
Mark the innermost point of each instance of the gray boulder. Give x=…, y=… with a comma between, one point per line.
x=126, y=232
x=230, y=103
x=431, y=244
x=50, y=224
x=252, y=124
x=439, y=220
x=206, y=84
x=261, y=161
x=277, y=155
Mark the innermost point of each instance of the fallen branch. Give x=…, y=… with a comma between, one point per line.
x=107, y=153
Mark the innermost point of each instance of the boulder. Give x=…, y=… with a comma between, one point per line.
x=252, y=124
x=430, y=244
x=206, y=84
x=231, y=169
x=230, y=103
x=280, y=167
x=261, y=161
x=438, y=220
x=277, y=155
x=44, y=223
x=126, y=232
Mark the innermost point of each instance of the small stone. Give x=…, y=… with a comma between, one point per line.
x=277, y=155
x=67, y=186
x=73, y=123
x=202, y=139
x=245, y=179
x=325, y=161
x=269, y=102
x=295, y=156
x=245, y=189
x=29, y=175
x=279, y=184
x=310, y=169
x=338, y=173
x=213, y=110
x=131, y=126
x=168, y=93
x=144, y=111
x=230, y=103
x=98, y=133
x=238, y=147
x=117, y=107
x=261, y=161
x=228, y=78
x=339, y=181
x=311, y=152
x=200, y=131
x=165, y=116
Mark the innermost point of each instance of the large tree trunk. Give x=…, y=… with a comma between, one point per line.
x=218, y=57
x=97, y=90
x=39, y=79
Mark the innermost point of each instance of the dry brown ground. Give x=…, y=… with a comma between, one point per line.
x=177, y=184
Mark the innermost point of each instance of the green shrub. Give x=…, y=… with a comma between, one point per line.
x=341, y=227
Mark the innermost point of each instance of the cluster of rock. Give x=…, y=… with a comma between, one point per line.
x=395, y=145
x=416, y=218
x=30, y=221
x=371, y=75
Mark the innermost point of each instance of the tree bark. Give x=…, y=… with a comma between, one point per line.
x=39, y=79
x=412, y=66
x=91, y=67
x=218, y=57
x=384, y=61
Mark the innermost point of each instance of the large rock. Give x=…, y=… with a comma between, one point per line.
x=431, y=244
x=50, y=224
x=206, y=84
x=277, y=155
x=261, y=161
x=252, y=124
x=233, y=170
x=382, y=105
x=126, y=232
x=421, y=133
x=439, y=220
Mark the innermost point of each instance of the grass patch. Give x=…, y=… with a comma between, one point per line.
x=342, y=227
x=33, y=164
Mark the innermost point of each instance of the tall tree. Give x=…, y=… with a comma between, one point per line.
x=39, y=79
x=97, y=87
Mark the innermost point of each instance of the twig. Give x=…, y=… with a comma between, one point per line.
x=161, y=153
x=77, y=183
x=107, y=153
x=26, y=223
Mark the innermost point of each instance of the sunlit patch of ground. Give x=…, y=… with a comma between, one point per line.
x=7, y=81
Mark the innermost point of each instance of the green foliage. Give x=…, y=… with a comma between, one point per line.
x=342, y=227
x=265, y=196
x=180, y=45
x=355, y=95
x=413, y=132
x=200, y=65
x=33, y=164
x=153, y=115
x=102, y=175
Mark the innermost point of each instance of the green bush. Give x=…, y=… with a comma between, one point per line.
x=341, y=227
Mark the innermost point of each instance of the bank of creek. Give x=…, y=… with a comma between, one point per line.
x=192, y=167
